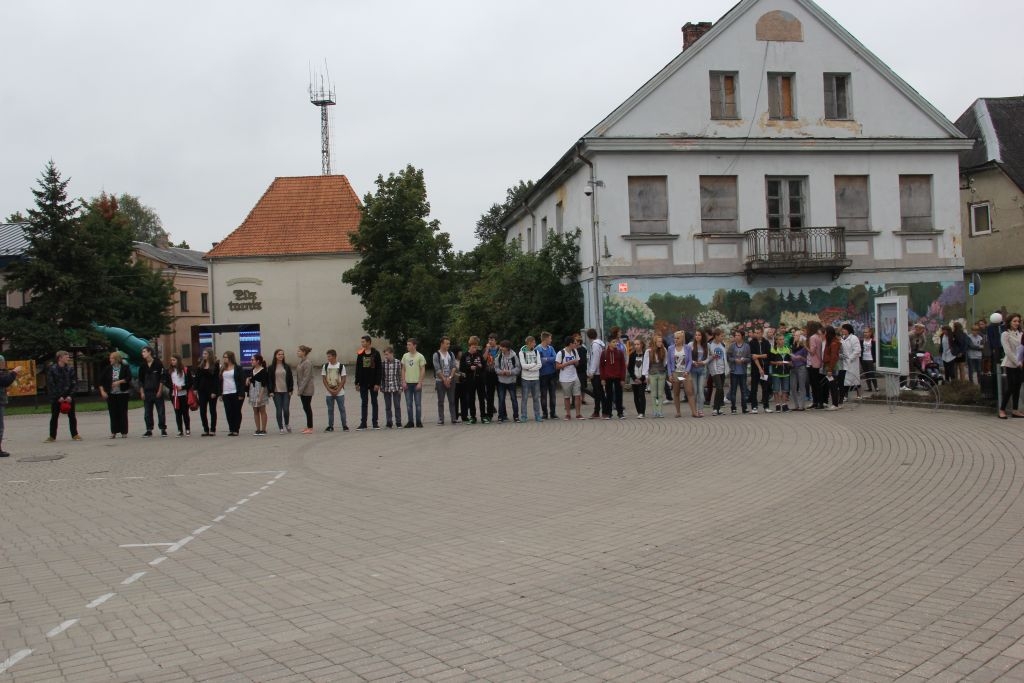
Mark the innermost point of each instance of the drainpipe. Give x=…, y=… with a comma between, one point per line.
x=598, y=304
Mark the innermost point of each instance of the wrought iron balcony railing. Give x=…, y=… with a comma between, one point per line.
x=795, y=250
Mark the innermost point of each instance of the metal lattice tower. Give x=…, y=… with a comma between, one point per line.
x=323, y=97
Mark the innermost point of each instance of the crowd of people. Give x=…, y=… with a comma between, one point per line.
x=817, y=367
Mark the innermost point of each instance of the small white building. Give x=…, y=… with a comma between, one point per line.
x=281, y=269
x=775, y=164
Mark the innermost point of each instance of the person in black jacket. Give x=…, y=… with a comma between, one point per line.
x=60, y=387
x=207, y=381
x=7, y=378
x=115, y=388
x=151, y=380
x=232, y=391
x=178, y=380
x=281, y=385
x=369, y=374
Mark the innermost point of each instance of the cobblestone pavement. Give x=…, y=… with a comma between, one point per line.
x=860, y=545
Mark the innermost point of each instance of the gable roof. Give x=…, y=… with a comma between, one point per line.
x=297, y=216
x=173, y=256
x=12, y=239
x=997, y=126
x=731, y=17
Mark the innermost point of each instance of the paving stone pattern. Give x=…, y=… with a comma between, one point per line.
x=860, y=545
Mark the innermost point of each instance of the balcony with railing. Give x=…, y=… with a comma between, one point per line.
x=784, y=251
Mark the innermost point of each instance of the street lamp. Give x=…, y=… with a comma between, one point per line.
x=997, y=319
x=591, y=191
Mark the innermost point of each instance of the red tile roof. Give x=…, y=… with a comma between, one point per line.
x=304, y=215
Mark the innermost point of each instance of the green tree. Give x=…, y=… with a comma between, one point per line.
x=403, y=275
x=489, y=227
x=145, y=223
x=16, y=217
x=523, y=294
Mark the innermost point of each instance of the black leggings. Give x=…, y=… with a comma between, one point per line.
x=233, y=411
x=307, y=408
x=205, y=402
x=1013, y=381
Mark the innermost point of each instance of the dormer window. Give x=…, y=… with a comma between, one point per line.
x=780, y=96
x=723, y=95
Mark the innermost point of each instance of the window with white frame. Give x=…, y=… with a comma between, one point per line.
x=852, y=206
x=780, y=96
x=648, y=204
x=786, y=202
x=916, y=203
x=719, y=206
x=837, y=96
x=723, y=95
x=981, y=218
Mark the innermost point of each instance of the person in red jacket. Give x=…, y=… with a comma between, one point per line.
x=613, y=374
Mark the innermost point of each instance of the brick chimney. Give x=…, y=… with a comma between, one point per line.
x=692, y=32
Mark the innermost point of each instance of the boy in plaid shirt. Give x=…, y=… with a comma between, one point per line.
x=391, y=387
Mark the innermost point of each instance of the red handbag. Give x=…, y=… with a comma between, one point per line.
x=193, y=400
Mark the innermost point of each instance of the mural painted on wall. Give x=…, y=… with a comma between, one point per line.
x=932, y=304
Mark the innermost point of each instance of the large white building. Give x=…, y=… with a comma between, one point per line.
x=775, y=168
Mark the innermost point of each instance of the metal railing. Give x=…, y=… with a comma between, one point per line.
x=771, y=250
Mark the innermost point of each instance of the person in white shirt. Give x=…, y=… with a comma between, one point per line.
x=567, y=363
x=594, y=370
x=530, y=363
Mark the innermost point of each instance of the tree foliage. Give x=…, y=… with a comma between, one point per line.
x=488, y=228
x=402, y=277
x=78, y=270
x=145, y=224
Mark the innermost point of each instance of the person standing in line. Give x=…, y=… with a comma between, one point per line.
x=657, y=364
x=207, y=389
x=531, y=362
x=639, y=367
x=581, y=369
x=780, y=363
x=491, y=378
x=282, y=383
x=368, y=378
x=444, y=381
x=975, y=352
x=831, y=363
x=613, y=374
x=759, y=348
x=414, y=367
x=698, y=353
x=799, y=377
x=151, y=380
x=738, y=356
x=594, y=371
x=305, y=387
x=232, y=391
x=473, y=366
x=1010, y=342
x=115, y=388
x=868, y=355
x=548, y=379
x=568, y=362
x=679, y=366
x=7, y=378
x=717, y=369
x=257, y=386
x=391, y=386
x=334, y=375
x=507, y=369
x=178, y=380
x=815, y=344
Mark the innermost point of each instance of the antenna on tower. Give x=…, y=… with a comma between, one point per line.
x=322, y=95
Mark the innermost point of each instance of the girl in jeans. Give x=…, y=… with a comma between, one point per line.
x=699, y=357
x=281, y=385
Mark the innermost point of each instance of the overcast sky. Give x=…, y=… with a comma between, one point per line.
x=196, y=106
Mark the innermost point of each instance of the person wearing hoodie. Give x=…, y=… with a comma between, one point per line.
x=548, y=378
x=531, y=362
x=594, y=371
x=506, y=369
x=445, y=367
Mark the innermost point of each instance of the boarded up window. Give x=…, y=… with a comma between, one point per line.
x=916, y=202
x=719, y=209
x=852, y=202
x=723, y=95
x=648, y=204
x=543, y=231
x=780, y=96
x=837, y=96
x=559, y=217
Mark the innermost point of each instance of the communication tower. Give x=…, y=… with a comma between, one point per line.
x=322, y=96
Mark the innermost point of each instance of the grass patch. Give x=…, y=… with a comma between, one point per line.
x=81, y=406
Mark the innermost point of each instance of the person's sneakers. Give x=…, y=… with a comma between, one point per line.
x=501, y=420
x=147, y=435
x=640, y=416
x=621, y=416
x=280, y=431
x=767, y=409
x=733, y=411
x=163, y=432
x=472, y=420
x=4, y=454
x=440, y=422
x=76, y=437
x=778, y=408
x=420, y=425
x=408, y=425
x=607, y=417
x=49, y=439
x=288, y=429
x=785, y=409
x=485, y=420
x=832, y=408
x=376, y=428
x=328, y=429
x=753, y=411
x=344, y=428
x=361, y=428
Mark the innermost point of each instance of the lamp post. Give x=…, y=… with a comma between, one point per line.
x=592, y=185
x=997, y=370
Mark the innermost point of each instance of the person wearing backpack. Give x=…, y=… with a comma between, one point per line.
x=613, y=373
x=594, y=371
x=507, y=369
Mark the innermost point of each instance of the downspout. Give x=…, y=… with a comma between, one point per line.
x=598, y=304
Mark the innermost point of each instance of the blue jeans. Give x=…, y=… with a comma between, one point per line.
x=699, y=379
x=532, y=387
x=510, y=390
x=738, y=382
x=548, y=391
x=282, y=408
x=414, y=399
x=338, y=400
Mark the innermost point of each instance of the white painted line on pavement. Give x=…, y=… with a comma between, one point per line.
x=95, y=478
x=56, y=480
x=264, y=487
x=133, y=477
x=200, y=530
x=242, y=502
x=262, y=472
x=280, y=474
x=254, y=493
x=142, y=545
x=100, y=600
x=17, y=481
x=209, y=474
x=174, y=475
x=133, y=578
x=178, y=546
x=60, y=629
x=219, y=518
x=157, y=561
x=232, y=508
x=14, y=659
